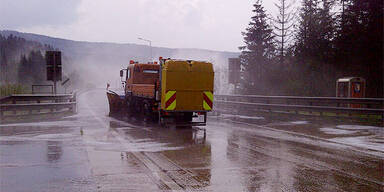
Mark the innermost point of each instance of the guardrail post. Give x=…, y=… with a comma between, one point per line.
x=14, y=102
x=338, y=105
x=38, y=101
x=56, y=101
x=73, y=106
x=310, y=104
x=287, y=102
x=269, y=108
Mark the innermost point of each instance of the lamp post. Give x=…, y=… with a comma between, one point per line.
x=150, y=45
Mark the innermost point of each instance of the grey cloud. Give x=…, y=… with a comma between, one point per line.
x=193, y=17
x=31, y=13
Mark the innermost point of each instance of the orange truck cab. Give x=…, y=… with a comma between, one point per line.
x=142, y=80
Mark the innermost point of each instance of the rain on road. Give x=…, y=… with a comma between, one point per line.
x=256, y=154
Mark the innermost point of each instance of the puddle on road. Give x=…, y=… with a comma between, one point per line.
x=292, y=123
x=366, y=142
x=40, y=124
x=132, y=146
x=367, y=137
x=298, y=122
x=38, y=135
x=359, y=127
x=139, y=137
x=240, y=117
x=59, y=136
x=334, y=131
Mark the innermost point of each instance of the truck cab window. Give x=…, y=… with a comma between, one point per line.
x=150, y=71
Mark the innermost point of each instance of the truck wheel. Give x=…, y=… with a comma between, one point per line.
x=188, y=117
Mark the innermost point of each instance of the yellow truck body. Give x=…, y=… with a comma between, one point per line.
x=186, y=86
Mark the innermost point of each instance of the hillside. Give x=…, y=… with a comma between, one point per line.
x=97, y=63
x=135, y=51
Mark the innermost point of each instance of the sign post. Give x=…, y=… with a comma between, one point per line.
x=235, y=73
x=65, y=83
x=53, y=59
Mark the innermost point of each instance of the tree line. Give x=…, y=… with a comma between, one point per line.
x=21, y=61
x=304, y=51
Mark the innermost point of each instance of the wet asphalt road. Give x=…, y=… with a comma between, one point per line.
x=239, y=153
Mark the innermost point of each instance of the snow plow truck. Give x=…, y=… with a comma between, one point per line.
x=171, y=92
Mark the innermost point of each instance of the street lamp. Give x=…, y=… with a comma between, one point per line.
x=150, y=44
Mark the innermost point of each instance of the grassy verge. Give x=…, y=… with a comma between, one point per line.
x=8, y=89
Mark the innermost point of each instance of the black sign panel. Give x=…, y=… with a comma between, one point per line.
x=53, y=59
x=234, y=69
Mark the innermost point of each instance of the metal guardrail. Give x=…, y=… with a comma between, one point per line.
x=30, y=105
x=36, y=86
x=321, y=105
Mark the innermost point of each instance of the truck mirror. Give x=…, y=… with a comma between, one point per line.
x=121, y=73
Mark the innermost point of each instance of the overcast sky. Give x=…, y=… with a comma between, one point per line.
x=207, y=24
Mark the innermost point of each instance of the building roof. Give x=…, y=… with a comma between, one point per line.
x=348, y=79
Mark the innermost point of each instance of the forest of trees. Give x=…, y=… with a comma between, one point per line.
x=22, y=64
x=304, y=51
x=22, y=61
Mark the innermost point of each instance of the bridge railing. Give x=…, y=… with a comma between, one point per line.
x=35, y=105
x=292, y=104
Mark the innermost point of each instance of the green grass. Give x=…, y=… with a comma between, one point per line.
x=8, y=89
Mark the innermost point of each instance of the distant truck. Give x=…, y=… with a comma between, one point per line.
x=177, y=92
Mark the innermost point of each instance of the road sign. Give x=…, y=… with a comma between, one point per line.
x=234, y=70
x=53, y=59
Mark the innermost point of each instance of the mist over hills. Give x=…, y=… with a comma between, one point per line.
x=98, y=62
x=127, y=50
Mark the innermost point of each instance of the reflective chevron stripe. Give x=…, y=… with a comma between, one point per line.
x=207, y=100
x=170, y=100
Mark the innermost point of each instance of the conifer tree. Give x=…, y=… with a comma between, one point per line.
x=307, y=29
x=313, y=48
x=316, y=31
x=259, y=49
x=283, y=26
x=359, y=43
